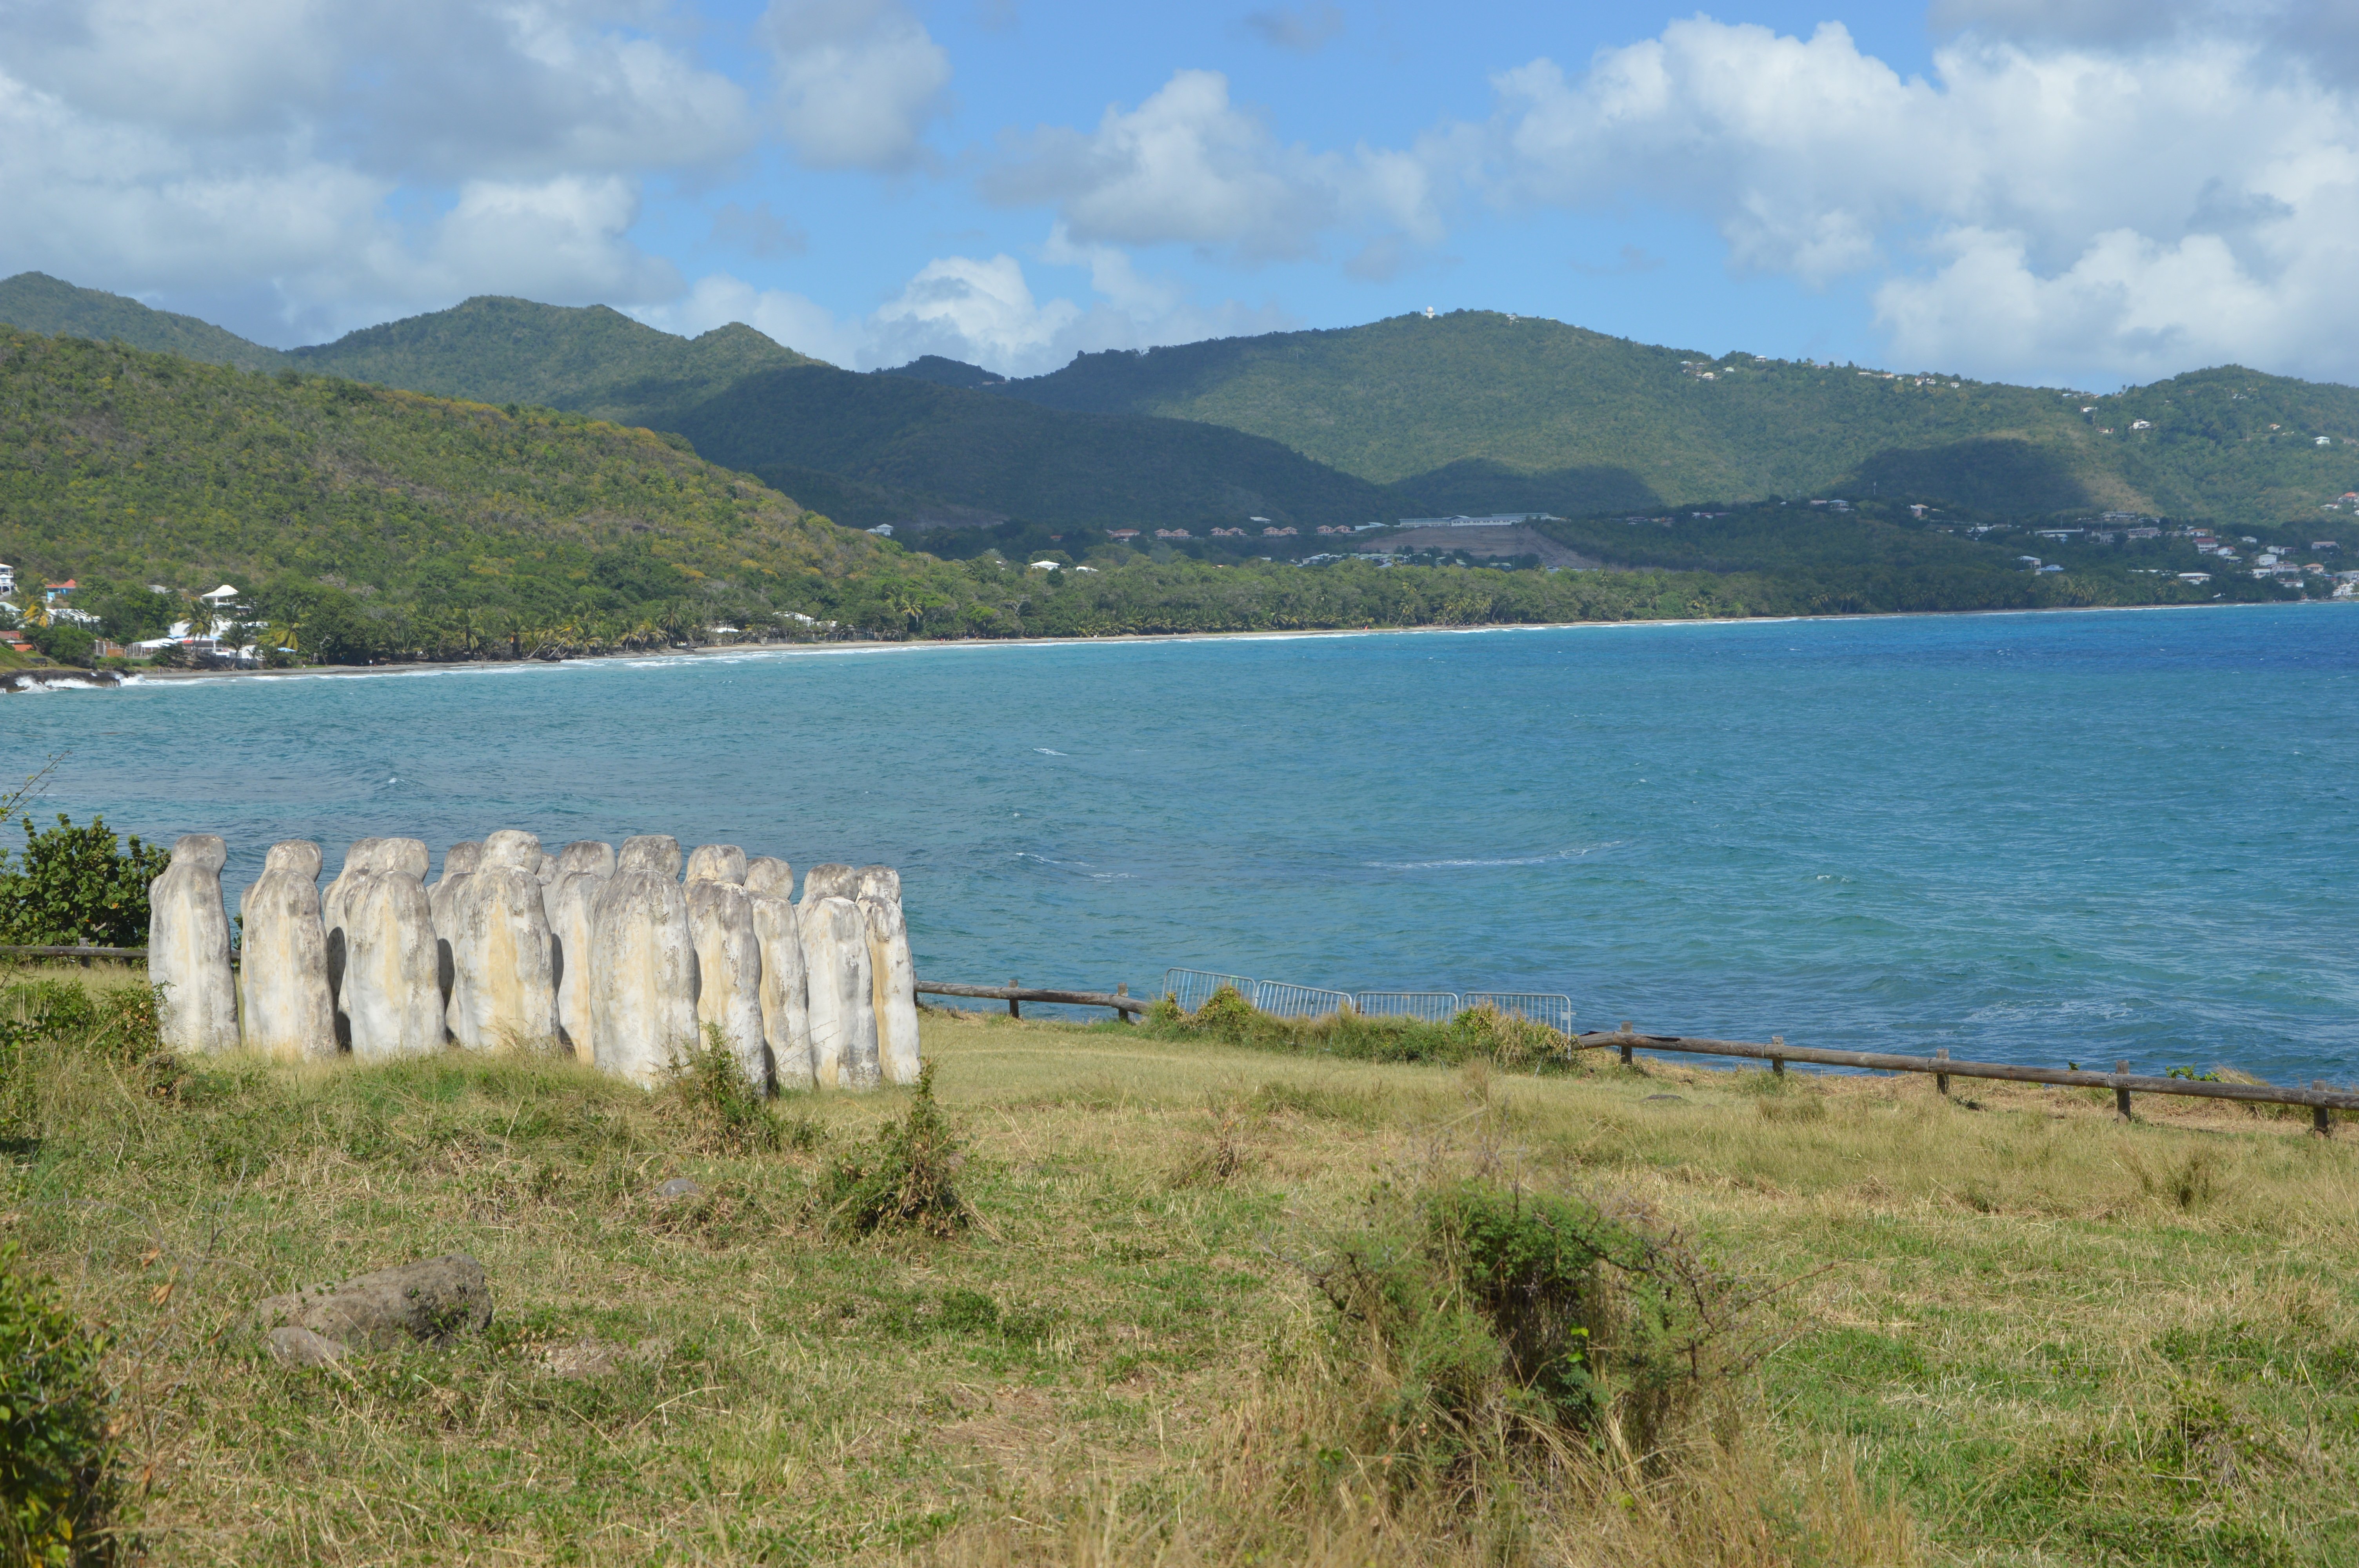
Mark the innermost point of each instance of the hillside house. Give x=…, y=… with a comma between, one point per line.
x=1127, y=534
x=7, y=577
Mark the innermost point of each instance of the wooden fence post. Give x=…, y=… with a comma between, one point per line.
x=2322, y=1120
x=1941, y=1080
x=1777, y=1064
x=1014, y=1007
x=1121, y=989
x=1626, y=1041
x=2122, y=1097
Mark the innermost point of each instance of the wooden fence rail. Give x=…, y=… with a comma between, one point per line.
x=126, y=954
x=1014, y=996
x=2121, y=1081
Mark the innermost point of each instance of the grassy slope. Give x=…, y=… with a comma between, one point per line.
x=1042, y=465
x=592, y=360
x=2048, y=1338
x=39, y=303
x=125, y=464
x=1609, y=419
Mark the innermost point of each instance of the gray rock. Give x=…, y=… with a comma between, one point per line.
x=786, y=1000
x=288, y=1010
x=893, y=975
x=187, y=947
x=642, y=964
x=678, y=1187
x=433, y=1302
x=293, y=1347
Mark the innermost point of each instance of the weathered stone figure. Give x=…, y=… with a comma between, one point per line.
x=357, y=858
x=642, y=964
x=187, y=947
x=785, y=1006
x=891, y=972
x=842, y=1004
x=583, y=868
x=504, y=991
x=830, y=881
x=728, y=956
x=288, y=1011
x=459, y=864
x=390, y=994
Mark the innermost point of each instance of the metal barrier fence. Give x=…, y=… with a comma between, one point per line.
x=1279, y=1000
x=1428, y=1007
x=1540, y=1007
x=1193, y=988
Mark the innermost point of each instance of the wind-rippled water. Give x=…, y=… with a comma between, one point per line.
x=2029, y=838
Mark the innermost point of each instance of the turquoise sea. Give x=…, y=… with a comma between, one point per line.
x=2032, y=837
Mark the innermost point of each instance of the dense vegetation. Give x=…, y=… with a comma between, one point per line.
x=1575, y=421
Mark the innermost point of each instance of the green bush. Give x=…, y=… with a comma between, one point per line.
x=43, y=1021
x=710, y=1089
x=1478, y=1033
x=75, y=884
x=900, y=1182
x=57, y=1483
x=1481, y=1316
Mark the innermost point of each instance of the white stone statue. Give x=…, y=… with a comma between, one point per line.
x=582, y=869
x=459, y=864
x=893, y=973
x=357, y=859
x=187, y=947
x=786, y=1005
x=642, y=964
x=391, y=994
x=843, y=1003
x=728, y=956
x=830, y=881
x=288, y=1011
x=504, y=993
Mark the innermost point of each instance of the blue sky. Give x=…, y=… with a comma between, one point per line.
x=2077, y=191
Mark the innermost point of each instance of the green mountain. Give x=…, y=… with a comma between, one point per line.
x=1478, y=411
x=423, y=518
x=39, y=303
x=589, y=361
x=919, y=439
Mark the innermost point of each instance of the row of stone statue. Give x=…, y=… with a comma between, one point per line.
x=616, y=959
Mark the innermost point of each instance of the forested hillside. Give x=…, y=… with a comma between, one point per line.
x=39, y=303
x=410, y=517
x=1060, y=470
x=1474, y=403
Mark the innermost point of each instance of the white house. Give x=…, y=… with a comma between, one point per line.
x=7, y=577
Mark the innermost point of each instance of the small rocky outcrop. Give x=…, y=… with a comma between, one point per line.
x=433, y=1301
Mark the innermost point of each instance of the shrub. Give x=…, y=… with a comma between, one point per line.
x=710, y=1089
x=1478, y=1033
x=57, y=1484
x=78, y=886
x=900, y=1182
x=1485, y=1316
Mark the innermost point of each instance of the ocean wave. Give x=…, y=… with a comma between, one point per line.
x=1046, y=753
x=1503, y=860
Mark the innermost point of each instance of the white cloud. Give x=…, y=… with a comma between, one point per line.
x=978, y=309
x=858, y=81
x=1306, y=29
x=362, y=158
x=1187, y=165
x=2039, y=207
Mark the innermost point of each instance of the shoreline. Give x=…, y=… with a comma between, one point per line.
x=75, y=679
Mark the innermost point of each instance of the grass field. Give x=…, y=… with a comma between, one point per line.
x=2010, y=1330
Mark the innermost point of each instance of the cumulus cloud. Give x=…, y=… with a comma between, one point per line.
x=2038, y=205
x=858, y=81
x=980, y=309
x=364, y=157
x=1189, y=167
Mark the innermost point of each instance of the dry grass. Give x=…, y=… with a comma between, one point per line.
x=2020, y=1334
